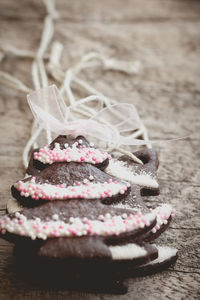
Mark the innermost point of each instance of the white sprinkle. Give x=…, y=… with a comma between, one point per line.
x=17, y=214
x=57, y=145
x=55, y=217
x=71, y=219
x=108, y=216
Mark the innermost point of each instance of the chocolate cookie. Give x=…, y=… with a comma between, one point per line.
x=84, y=210
x=69, y=181
x=144, y=175
x=66, y=149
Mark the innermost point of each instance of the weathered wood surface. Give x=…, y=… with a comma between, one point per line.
x=164, y=36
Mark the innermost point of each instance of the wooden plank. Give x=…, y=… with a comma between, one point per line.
x=104, y=11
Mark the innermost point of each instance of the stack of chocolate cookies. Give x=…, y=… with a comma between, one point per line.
x=81, y=222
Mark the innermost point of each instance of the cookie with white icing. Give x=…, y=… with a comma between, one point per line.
x=63, y=181
x=144, y=175
x=66, y=149
x=99, y=275
x=164, y=213
x=82, y=235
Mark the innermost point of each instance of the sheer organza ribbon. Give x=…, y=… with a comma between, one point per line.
x=111, y=124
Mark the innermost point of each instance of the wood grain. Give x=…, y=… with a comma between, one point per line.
x=164, y=36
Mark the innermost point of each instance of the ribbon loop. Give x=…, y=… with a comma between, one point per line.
x=110, y=124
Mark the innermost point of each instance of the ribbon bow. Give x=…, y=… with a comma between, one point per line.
x=110, y=124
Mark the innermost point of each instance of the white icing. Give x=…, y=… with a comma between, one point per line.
x=74, y=153
x=164, y=253
x=89, y=190
x=128, y=251
x=105, y=226
x=120, y=170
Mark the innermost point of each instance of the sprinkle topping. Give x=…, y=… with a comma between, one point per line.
x=73, y=153
x=163, y=213
x=104, y=226
x=121, y=170
x=85, y=190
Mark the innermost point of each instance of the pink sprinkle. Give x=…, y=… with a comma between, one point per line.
x=131, y=217
x=147, y=223
x=73, y=231
x=101, y=217
x=89, y=230
x=165, y=217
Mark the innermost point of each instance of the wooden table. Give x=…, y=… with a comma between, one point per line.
x=164, y=36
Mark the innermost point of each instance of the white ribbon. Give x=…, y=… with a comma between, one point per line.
x=111, y=124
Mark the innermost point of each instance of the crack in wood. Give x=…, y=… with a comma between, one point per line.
x=182, y=271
